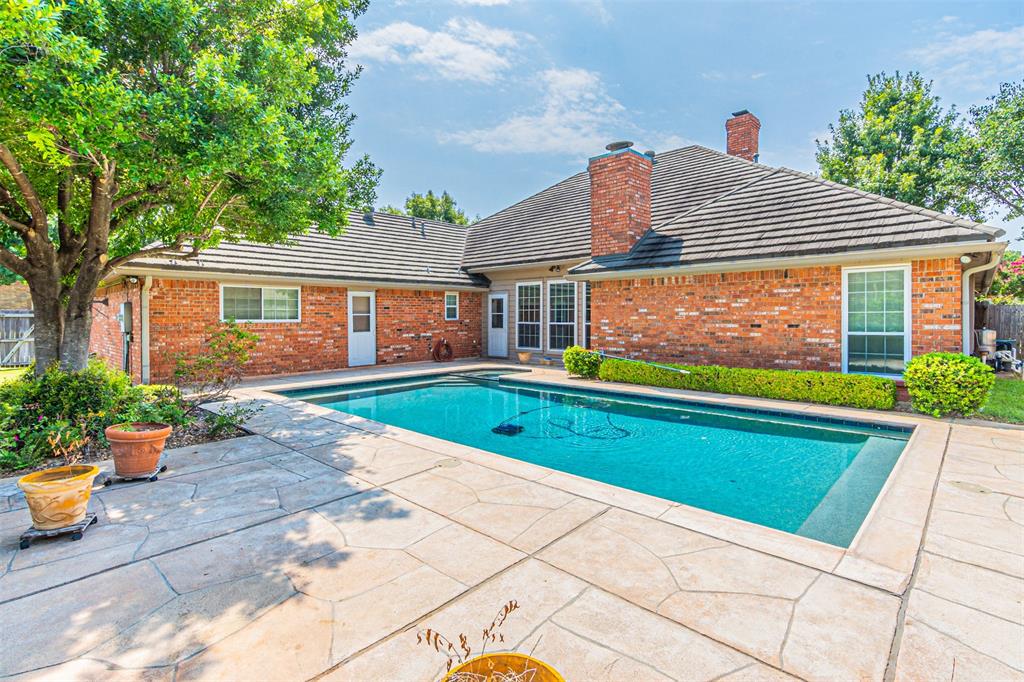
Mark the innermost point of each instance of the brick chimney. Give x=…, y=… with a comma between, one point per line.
x=620, y=199
x=741, y=135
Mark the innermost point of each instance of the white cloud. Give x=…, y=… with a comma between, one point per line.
x=482, y=3
x=576, y=115
x=718, y=76
x=464, y=49
x=976, y=60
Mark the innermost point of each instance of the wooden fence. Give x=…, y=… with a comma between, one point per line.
x=17, y=347
x=1007, y=320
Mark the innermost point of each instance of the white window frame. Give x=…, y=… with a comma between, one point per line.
x=446, y=295
x=588, y=339
x=261, y=288
x=908, y=286
x=540, y=322
x=575, y=314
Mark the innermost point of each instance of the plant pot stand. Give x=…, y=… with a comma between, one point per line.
x=76, y=530
x=150, y=477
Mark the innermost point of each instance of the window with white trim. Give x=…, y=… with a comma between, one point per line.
x=451, y=305
x=528, y=314
x=877, y=326
x=260, y=304
x=586, y=315
x=561, y=315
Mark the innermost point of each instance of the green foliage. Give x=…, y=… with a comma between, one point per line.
x=581, y=362
x=991, y=157
x=901, y=144
x=210, y=375
x=827, y=388
x=430, y=206
x=75, y=405
x=948, y=383
x=169, y=124
x=1008, y=282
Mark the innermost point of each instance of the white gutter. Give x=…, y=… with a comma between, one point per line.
x=749, y=265
x=966, y=291
x=144, y=341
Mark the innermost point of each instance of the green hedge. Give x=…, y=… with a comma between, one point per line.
x=827, y=388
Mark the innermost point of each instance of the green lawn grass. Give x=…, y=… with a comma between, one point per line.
x=8, y=374
x=1006, y=403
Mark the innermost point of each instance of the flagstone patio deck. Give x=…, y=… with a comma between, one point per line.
x=320, y=546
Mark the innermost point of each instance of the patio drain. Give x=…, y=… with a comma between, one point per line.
x=448, y=463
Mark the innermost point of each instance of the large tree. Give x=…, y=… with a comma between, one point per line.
x=900, y=143
x=431, y=206
x=991, y=156
x=133, y=128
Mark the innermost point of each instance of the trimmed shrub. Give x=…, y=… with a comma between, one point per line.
x=581, y=362
x=948, y=383
x=826, y=388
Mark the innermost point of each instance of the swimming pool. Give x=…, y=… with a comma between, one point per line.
x=815, y=477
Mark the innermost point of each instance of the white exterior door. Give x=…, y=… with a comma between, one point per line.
x=497, y=325
x=362, y=326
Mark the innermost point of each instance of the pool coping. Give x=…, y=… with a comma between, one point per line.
x=882, y=554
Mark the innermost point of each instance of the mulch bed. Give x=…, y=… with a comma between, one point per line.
x=196, y=433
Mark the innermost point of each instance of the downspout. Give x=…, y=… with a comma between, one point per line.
x=965, y=296
x=144, y=315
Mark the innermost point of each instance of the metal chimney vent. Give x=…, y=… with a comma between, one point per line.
x=619, y=146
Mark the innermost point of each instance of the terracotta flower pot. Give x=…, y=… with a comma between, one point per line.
x=58, y=497
x=524, y=357
x=137, y=447
x=498, y=666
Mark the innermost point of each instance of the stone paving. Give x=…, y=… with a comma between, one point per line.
x=320, y=547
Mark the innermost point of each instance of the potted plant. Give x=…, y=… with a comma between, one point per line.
x=59, y=496
x=524, y=357
x=137, y=447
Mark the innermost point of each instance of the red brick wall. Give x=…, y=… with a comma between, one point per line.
x=408, y=323
x=741, y=136
x=106, y=340
x=773, y=318
x=781, y=319
x=936, y=306
x=182, y=312
x=620, y=201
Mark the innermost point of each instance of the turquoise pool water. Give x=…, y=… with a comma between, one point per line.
x=813, y=478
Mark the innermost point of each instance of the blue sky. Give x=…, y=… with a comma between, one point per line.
x=494, y=100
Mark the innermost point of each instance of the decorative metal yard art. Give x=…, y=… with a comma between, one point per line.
x=503, y=666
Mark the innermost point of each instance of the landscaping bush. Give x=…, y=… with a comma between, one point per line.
x=827, y=388
x=209, y=375
x=581, y=362
x=73, y=406
x=948, y=383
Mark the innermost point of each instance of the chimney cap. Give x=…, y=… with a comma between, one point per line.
x=649, y=153
x=741, y=112
x=618, y=146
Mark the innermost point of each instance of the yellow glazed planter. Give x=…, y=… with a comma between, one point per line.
x=505, y=665
x=58, y=497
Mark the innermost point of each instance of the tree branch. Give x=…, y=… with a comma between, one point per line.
x=209, y=195
x=163, y=249
x=135, y=196
x=10, y=222
x=35, y=205
x=13, y=263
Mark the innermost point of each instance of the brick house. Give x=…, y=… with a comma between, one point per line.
x=689, y=255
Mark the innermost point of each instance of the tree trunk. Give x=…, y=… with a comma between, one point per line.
x=74, y=345
x=48, y=322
